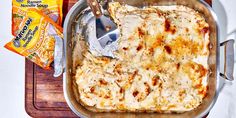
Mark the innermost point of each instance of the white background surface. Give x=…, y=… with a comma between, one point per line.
x=12, y=66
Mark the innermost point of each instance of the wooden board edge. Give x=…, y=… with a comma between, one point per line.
x=30, y=107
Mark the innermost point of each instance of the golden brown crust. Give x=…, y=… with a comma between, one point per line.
x=161, y=63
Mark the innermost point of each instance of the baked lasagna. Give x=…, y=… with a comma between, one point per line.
x=160, y=65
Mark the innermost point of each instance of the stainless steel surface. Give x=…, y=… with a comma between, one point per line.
x=106, y=30
x=228, y=60
x=73, y=25
x=58, y=52
x=58, y=56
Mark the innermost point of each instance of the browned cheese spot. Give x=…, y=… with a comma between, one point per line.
x=103, y=82
x=121, y=90
x=121, y=99
x=173, y=30
x=147, y=89
x=204, y=30
x=151, y=51
x=160, y=86
x=117, y=69
x=182, y=47
x=168, y=49
x=200, y=69
x=106, y=96
x=194, y=70
x=182, y=92
x=104, y=59
x=186, y=29
x=125, y=48
x=159, y=13
x=198, y=86
x=167, y=25
x=177, y=66
x=131, y=78
x=140, y=46
x=92, y=89
x=119, y=80
x=141, y=32
x=169, y=28
x=158, y=42
x=155, y=80
x=135, y=93
x=203, y=91
x=171, y=106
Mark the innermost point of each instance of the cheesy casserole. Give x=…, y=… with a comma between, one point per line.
x=160, y=65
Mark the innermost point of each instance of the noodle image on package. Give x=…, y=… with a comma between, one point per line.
x=36, y=38
x=51, y=8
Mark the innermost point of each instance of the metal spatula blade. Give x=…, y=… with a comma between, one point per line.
x=106, y=29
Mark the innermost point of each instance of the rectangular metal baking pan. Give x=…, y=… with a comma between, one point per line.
x=214, y=80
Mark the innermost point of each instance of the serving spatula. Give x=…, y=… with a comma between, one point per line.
x=106, y=29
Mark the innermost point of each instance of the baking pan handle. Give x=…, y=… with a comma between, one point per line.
x=58, y=57
x=228, y=60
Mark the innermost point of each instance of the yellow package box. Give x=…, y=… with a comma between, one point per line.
x=51, y=8
x=36, y=38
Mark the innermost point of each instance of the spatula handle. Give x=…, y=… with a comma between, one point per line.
x=95, y=7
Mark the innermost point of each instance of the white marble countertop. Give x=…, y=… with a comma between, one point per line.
x=12, y=66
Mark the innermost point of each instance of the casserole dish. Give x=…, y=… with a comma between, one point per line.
x=79, y=16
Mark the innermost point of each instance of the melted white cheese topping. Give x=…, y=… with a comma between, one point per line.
x=161, y=63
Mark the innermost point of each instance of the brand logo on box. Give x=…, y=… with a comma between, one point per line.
x=19, y=0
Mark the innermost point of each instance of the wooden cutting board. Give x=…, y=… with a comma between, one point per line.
x=44, y=93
